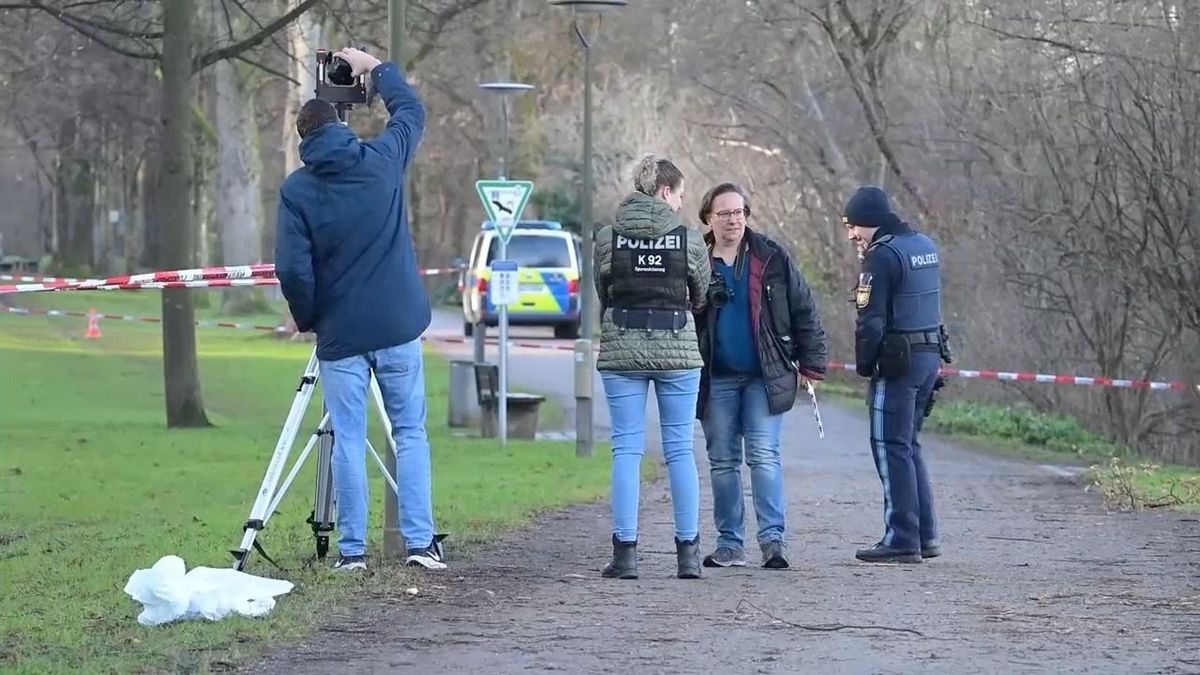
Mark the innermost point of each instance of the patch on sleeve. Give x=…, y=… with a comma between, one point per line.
x=922, y=261
x=862, y=294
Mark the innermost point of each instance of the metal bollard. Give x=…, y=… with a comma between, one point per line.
x=585, y=442
x=463, y=407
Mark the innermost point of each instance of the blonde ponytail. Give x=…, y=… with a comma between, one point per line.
x=645, y=174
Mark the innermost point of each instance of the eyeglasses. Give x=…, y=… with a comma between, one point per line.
x=730, y=215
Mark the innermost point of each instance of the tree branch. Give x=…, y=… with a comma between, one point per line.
x=443, y=18
x=269, y=70
x=79, y=26
x=236, y=49
x=1076, y=49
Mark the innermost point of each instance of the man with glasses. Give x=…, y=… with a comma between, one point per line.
x=761, y=338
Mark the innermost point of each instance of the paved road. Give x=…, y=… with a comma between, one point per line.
x=1036, y=576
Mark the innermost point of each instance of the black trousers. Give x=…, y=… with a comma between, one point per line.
x=897, y=408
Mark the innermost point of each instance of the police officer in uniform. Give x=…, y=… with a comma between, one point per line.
x=899, y=344
x=652, y=273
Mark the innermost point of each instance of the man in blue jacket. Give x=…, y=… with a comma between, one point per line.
x=348, y=269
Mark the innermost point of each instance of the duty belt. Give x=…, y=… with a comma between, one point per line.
x=928, y=340
x=649, y=319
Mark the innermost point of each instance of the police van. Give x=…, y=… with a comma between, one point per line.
x=548, y=259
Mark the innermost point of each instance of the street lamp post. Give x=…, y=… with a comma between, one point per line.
x=584, y=437
x=505, y=90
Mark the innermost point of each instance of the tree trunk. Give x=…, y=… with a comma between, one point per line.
x=239, y=207
x=181, y=372
x=76, y=199
x=304, y=36
x=152, y=206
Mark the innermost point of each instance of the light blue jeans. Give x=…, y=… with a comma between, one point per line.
x=400, y=371
x=676, y=391
x=737, y=411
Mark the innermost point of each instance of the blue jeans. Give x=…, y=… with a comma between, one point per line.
x=676, y=391
x=400, y=372
x=738, y=411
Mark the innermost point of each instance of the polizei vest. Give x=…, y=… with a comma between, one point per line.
x=649, y=281
x=917, y=302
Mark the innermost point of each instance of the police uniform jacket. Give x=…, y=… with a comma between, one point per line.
x=898, y=292
x=646, y=220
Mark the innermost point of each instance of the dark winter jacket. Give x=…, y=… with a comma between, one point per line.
x=789, y=336
x=344, y=254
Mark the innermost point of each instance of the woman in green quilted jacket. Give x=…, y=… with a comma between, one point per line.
x=652, y=272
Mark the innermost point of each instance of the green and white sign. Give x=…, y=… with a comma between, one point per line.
x=504, y=201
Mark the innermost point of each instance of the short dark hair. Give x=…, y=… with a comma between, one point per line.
x=706, y=204
x=654, y=172
x=314, y=115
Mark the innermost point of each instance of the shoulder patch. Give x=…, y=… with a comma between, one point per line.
x=923, y=260
x=862, y=293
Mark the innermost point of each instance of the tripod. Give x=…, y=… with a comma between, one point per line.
x=322, y=517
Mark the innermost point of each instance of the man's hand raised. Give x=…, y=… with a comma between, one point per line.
x=360, y=61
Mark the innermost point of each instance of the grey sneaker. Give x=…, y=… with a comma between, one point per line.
x=725, y=557
x=772, y=555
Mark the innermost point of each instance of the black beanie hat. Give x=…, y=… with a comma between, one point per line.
x=870, y=207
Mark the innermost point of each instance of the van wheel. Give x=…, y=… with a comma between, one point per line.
x=569, y=331
x=468, y=328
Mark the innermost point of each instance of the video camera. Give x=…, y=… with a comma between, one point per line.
x=335, y=82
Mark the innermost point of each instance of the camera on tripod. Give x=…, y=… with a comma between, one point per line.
x=336, y=82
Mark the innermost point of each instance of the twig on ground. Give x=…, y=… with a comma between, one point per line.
x=1035, y=541
x=828, y=627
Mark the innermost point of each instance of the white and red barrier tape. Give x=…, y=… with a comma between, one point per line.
x=998, y=375
x=1024, y=376
x=205, y=277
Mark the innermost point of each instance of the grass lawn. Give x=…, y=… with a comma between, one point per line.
x=93, y=487
x=1118, y=473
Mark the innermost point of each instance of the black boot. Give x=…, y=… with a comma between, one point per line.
x=687, y=554
x=624, y=561
x=880, y=553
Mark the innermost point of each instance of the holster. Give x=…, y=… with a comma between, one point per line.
x=937, y=384
x=944, y=345
x=895, y=356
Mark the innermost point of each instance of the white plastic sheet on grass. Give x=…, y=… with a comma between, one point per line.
x=170, y=593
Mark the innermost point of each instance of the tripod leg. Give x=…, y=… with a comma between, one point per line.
x=291, y=477
x=260, y=513
x=322, y=517
x=383, y=467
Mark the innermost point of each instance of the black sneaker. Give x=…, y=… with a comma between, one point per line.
x=879, y=553
x=930, y=549
x=772, y=556
x=350, y=563
x=429, y=557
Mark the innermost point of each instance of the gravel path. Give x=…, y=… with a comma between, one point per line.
x=1036, y=576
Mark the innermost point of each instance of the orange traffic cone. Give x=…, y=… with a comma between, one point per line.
x=93, y=329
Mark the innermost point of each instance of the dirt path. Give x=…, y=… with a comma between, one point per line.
x=1036, y=576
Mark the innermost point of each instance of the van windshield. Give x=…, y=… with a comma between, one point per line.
x=534, y=251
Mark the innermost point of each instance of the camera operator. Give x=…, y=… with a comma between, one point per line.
x=761, y=337
x=348, y=269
